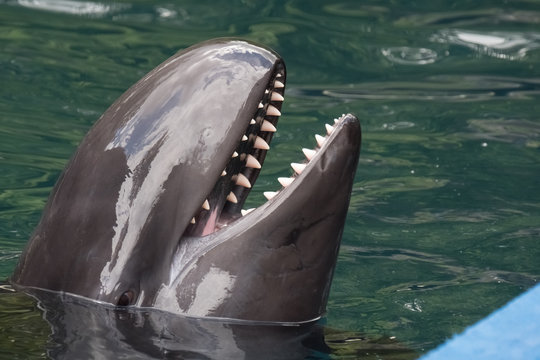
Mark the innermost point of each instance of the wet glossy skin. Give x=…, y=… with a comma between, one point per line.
x=277, y=262
x=113, y=228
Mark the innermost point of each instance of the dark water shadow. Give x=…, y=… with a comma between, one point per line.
x=59, y=326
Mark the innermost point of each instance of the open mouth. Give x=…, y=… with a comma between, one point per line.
x=224, y=204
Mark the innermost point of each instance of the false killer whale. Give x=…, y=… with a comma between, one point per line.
x=149, y=210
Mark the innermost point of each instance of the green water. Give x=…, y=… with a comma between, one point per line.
x=444, y=222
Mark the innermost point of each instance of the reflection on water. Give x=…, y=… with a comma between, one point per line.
x=506, y=46
x=507, y=130
x=438, y=88
x=410, y=56
x=443, y=222
x=68, y=6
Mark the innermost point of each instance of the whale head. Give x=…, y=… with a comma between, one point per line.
x=149, y=211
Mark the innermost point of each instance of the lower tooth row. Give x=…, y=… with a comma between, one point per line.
x=297, y=167
x=252, y=162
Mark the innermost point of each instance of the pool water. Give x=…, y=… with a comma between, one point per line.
x=444, y=221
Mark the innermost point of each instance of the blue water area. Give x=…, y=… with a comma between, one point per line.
x=443, y=224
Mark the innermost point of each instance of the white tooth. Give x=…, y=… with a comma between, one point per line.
x=252, y=162
x=232, y=198
x=252, y=122
x=276, y=96
x=192, y=220
x=272, y=111
x=320, y=140
x=245, y=212
x=235, y=154
x=267, y=126
x=298, y=168
x=242, y=180
x=244, y=138
x=285, y=181
x=260, y=144
x=278, y=84
x=329, y=128
x=270, y=194
x=206, y=205
x=309, y=153
x=261, y=105
x=223, y=173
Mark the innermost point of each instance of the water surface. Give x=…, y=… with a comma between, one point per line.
x=443, y=225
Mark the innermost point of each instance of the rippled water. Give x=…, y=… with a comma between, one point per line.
x=443, y=226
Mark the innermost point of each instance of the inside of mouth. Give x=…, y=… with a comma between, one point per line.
x=225, y=202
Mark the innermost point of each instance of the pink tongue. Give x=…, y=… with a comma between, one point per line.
x=210, y=225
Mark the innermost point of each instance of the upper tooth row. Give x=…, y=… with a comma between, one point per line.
x=260, y=143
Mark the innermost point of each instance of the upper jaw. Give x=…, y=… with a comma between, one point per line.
x=224, y=202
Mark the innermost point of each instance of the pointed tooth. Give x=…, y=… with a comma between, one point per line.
x=242, y=180
x=206, y=205
x=261, y=105
x=276, y=96
x=285, y=181
x=267, y=126
x=329, y=128
x=298, y=168
x=244, y=138
x=192, y=220
x=245, y=212
x=260, y=144
x=278, y=84
x=320, y=140
x=272, y=111
x=252, y=162
x=252, y=122
x=235, y=154
x=270, y=194
x=309, y=153
x=232, y=198
x=223, y=173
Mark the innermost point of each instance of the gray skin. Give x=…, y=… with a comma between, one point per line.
x=117, y=226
